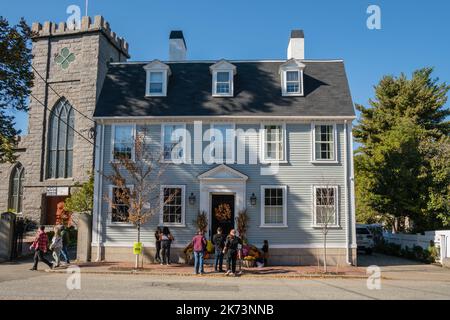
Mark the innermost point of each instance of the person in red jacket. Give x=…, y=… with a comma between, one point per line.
x=199, y=244
x=40, y=245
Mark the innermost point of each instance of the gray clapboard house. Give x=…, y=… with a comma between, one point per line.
x=286, y=156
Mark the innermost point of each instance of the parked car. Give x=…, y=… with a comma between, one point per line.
x=364, y=239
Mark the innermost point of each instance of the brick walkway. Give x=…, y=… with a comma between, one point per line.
x=187, y=270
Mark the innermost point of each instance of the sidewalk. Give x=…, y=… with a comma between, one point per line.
x=187, y=270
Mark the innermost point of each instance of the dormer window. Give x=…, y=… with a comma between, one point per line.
x=292, y=81
x=292, y=78
x=223, y=83
x=157, y=78
x=222, y=79
x=156, y=83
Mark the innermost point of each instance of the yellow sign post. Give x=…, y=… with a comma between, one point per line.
x=137, y=248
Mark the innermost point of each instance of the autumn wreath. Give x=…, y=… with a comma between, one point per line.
x=223, y=212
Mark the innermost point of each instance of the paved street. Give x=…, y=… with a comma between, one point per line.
x=402, y=279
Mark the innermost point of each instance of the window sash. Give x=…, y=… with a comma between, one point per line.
x=16, y=189
x=325, y=208
x=123, y=142
x=223, y=83
x=60, y=142
x=274, y=142
x=119, y=210
x=156, y=82
x=292, y=81
x=274, y=206
x=324, y=143
x=171, y=141
x=172, y=211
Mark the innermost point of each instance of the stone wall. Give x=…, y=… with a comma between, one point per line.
x=94, y=46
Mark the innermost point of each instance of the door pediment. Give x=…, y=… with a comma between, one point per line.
x=223, y=172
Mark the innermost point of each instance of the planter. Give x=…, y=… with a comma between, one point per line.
x=248, y=263
x=84, y=237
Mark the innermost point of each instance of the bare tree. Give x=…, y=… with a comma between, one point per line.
x=325, y=198
x=136, y=195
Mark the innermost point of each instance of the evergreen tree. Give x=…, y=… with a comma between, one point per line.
x=400, y=168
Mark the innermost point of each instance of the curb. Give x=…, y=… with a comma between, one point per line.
x=213, y=275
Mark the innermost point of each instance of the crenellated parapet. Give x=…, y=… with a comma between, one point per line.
x=51, y=29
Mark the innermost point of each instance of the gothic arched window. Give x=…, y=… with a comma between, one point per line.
x=60, y=145
x=16, y=188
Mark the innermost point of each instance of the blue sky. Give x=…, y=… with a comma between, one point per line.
x=414, y=34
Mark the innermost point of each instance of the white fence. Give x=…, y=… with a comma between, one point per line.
x=441, y=240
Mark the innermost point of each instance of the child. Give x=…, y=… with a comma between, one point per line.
x=265, y=250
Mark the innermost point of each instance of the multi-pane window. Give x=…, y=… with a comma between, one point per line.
x=325, y=209
x=156, y=82
x=274, y=205
x=222, y=141
x=173, y=142
x=60, y=146
x=120, y=199
x=123, y=142
x=273, y=140
x=172, y=204
x=292, y=81
x=223, y=82
x=324, y=144
x=16, y=188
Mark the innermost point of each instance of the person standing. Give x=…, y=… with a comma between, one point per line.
x=40, y=245
x=56, y=246
x=158, y=233
x=219, y=244
x=231, y=249
x=265, y=250
x=199, y=244
x=166, y=241
x=65, y=243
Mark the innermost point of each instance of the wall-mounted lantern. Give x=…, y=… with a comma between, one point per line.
x=192, y=199
x=253, y=199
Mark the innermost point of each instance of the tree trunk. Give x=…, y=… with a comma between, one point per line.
x=325, y=253
x=136, y=264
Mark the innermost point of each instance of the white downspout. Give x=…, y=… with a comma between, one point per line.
x=99, y=179
x=346, y=211
x=352, y=190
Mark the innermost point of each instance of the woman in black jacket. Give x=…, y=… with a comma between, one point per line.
x=166, y=240
x=231, y=249
x=158, y=233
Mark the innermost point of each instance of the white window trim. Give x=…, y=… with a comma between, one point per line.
x=313, y=141
x=113, y=137
x=183, y=205
x=164, y=84
x=262, y=203
x=285, y=93
x=262, y=144
x=214, y=84
x=183, y=160
x=110, y=194
x=224, y=160
x=336, y=225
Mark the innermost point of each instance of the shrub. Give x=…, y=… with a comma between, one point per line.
x=429, y=255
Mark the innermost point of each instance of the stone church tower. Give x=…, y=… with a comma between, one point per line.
x=52, y=157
